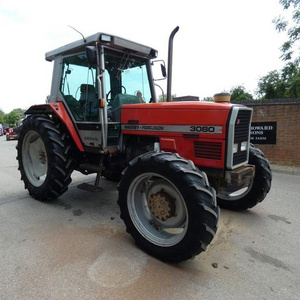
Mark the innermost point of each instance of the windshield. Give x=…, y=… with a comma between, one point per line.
x=126, y=75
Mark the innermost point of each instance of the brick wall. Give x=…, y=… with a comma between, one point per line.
x=286, y=112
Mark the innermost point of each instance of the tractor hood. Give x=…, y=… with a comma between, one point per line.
x=204, y=118
x=200, y=131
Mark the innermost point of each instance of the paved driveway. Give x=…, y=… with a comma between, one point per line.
x=76, y=247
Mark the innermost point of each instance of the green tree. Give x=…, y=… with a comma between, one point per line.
x=209, y=99
x=239, y=93
x=20, y=112
x=281, y=84
x=290, y=75
x=162, y=98
x=13, y=116
x=2, y=116
x=293, y=30
x=268, y=86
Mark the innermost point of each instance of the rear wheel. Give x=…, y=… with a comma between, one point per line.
x=44, y=156
x=168, y=206
x=257, y=189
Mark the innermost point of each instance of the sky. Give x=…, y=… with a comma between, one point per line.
x=220, y=44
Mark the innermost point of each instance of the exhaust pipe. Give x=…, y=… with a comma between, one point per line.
x=170, y=62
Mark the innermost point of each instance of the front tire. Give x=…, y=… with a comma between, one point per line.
x=257, y=189
x=168, y=206
x=44, y=156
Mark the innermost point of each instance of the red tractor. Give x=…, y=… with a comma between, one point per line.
x=12, y=133
x=176, y=162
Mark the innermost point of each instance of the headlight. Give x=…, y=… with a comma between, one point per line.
x=235, y=148
x=105, y=38
x=244, y=146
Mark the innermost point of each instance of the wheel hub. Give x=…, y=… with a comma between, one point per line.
x=43, y=156
x=162, y=206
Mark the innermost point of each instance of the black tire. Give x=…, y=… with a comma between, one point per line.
x=168, y=206
x=256, y=191
x=44, y=156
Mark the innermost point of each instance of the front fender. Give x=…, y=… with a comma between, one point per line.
x=59, y=110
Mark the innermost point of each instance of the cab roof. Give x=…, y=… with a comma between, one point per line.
x=108, y=40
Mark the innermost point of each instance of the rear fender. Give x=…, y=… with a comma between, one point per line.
x=59, y=110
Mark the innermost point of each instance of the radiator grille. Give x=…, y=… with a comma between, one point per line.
x=241, y=128
x=239, y=157
x=241, y=134
x=210, y=150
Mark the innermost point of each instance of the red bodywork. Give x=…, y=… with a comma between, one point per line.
x=195, y=130
x=61, y=112
x=59, y=109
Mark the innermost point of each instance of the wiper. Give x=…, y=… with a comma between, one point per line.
x=123, y=63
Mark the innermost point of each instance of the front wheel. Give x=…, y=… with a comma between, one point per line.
x=44, y=156
x=257, y=189
x=168, y=206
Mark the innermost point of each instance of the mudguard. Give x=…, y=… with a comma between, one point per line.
x=59, y=110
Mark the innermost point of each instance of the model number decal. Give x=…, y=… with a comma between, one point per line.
x=202, y=129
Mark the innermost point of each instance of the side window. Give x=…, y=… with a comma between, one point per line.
x=78, y=87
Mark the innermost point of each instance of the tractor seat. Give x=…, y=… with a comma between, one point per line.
x=89, y=102
x=87, y=92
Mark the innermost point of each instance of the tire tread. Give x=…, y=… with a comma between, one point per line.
x=60, y=161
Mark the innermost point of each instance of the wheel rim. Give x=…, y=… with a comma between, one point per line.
x=231, y=194
x=157, y=209
x=34, y=157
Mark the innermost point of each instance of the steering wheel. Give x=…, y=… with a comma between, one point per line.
x=122, y=87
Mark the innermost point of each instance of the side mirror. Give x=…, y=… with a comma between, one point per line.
x=159, y=70
x=91, y=55
x=163, y=70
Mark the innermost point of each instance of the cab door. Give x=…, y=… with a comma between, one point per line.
x=79, y=91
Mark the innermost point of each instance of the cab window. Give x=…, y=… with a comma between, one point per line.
x=78, y=87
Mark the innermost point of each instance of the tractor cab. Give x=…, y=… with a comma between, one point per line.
x=94, y=78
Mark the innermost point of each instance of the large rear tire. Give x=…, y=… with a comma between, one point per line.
x=257, y=189
x=44, y=156
x=168, y=206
